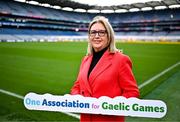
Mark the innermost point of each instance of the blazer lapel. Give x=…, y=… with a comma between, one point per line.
x=103, y=64
x=84, y=72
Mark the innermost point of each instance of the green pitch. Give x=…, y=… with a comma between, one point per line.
x=53, y=67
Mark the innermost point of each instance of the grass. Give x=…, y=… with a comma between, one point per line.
x=53, y=67
x=169, y=92
x=12, y=109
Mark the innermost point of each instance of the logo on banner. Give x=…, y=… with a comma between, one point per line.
x=103, y=105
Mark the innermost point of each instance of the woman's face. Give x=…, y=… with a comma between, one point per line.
x=98, y=37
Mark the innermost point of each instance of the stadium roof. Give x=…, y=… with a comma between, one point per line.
x=138, y=6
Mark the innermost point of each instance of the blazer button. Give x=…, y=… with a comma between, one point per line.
x=82, y=92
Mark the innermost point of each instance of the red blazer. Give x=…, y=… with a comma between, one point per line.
x=112, y=76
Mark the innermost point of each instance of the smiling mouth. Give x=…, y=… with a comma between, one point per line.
x=97, y=41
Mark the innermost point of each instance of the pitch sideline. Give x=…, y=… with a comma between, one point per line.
x=158, y=75
x=21, y=97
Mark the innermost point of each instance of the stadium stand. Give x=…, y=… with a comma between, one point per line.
x=25, y=22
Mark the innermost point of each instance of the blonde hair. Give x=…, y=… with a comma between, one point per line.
x=110, y=33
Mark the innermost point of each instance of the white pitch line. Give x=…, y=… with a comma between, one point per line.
x=11, y=94
x=158, y=75
x=21, y=97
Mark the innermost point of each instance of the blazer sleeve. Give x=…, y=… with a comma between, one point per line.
x=126, y=78
x=76, y=87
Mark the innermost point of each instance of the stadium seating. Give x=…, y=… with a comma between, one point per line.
x=23, y=9
x=24, y=19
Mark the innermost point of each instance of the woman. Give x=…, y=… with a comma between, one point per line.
x=105, y=71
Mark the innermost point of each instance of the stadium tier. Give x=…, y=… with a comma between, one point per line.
x=21, y=21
